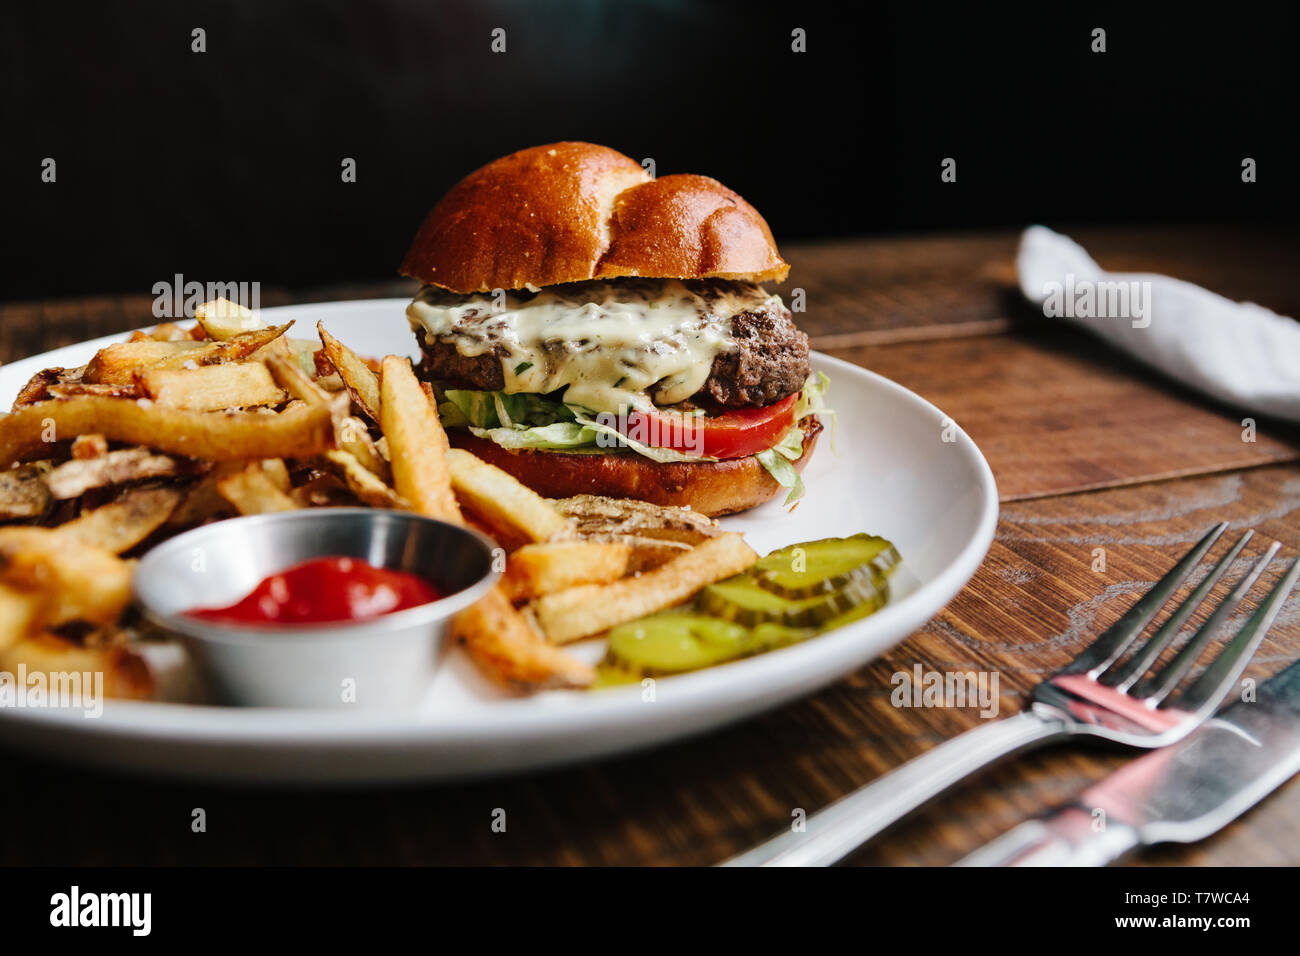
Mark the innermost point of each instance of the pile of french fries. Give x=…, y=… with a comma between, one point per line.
x=179, y=426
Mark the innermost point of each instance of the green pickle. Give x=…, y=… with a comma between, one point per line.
x=817, y=567
x=744, y=599
x=771, y=636
x=789, y=596
x=673, y=641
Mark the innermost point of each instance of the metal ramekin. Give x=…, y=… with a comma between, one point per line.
x=383, y=662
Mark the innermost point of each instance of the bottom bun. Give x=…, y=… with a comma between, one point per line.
x=710, y=487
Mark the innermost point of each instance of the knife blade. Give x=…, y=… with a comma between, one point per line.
x=1179, y=794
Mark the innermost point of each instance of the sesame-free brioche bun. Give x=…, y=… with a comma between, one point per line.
x=568, y=212
x=709, y=487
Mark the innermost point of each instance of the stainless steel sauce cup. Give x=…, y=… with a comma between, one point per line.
x=383, y=662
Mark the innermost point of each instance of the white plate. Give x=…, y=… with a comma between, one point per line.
x=902, y=471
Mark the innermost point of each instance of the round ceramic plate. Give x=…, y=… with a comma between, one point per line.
x=897, y=468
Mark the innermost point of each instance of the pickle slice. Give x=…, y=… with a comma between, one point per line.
x=674, y=641
x=734, y=618
x=613, y=674
x=746, y=601
x=819, y=567
x=770, y=635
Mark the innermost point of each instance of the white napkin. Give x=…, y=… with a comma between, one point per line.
x=1237, y=352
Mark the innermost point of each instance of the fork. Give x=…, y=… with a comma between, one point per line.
x=1090, y=697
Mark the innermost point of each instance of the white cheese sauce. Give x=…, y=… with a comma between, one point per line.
x=625, y=343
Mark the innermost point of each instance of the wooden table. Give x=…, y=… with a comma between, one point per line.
x=1090, y=452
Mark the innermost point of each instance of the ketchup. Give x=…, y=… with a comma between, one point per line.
x=325, y=590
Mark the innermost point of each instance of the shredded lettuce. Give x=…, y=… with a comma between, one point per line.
x=567, y=435
x=783, y=472
x=812, y=401
x=778, y=459
x=500, y=409
x=616, y=440
x=522, y=420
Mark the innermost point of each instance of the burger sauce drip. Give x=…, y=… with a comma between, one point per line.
x=325, y=590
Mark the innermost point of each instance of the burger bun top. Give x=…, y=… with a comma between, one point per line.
x=570, y=212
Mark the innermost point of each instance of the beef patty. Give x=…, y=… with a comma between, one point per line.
x=769, y=363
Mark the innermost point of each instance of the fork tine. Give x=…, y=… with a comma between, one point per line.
x=1132, y=672
x=1157, y=688
x=1218, y=678
x=1111, y=644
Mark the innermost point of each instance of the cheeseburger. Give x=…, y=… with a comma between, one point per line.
x=592, y=330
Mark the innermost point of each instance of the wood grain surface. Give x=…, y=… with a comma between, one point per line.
x=1096, y=458
x=1056, y=411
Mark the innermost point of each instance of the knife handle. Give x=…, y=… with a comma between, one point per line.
x=1067, y=837
x=837, y=830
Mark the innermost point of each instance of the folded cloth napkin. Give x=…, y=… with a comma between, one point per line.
x=1237, y=352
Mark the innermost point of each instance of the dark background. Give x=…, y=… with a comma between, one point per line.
x=225, y=165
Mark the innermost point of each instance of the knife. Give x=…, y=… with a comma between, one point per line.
x=1179, y=794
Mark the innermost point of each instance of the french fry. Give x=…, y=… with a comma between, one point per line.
x=359, y=379
x=505, y=645
x=647, y=553
x=125, y=673
x=322, y=491
x=212, y=387
x=122, y=524
x=500, y=498
x=233, y=349
x=600, y=515
x=75, y=389
x=655, y=533
x=23, y=493
x=592, y=608
x=17, y=612
x=73, y=583
x=89, y=446
x=222, y=319
x=217, y=436
x=117, y=364
x=74, y=478
x=277, y=347
x=483, y=528
x=364, y=483
x=416, y=442
x=352, y=435
x=204, y=501
x=278, y=472
x=537, y=569
x=253, y=492
x=324, y=367
x=167, y=332
x=37, y=387
x=290, y=376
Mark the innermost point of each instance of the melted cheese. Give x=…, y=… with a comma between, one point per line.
x=630, y=343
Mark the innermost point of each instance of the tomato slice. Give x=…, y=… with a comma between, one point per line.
x=735, y=433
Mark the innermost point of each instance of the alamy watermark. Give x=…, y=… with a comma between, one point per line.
x=178, y=299
x=1098, y=299
x=68, y=690
x=922, y=688
x=78, y=908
